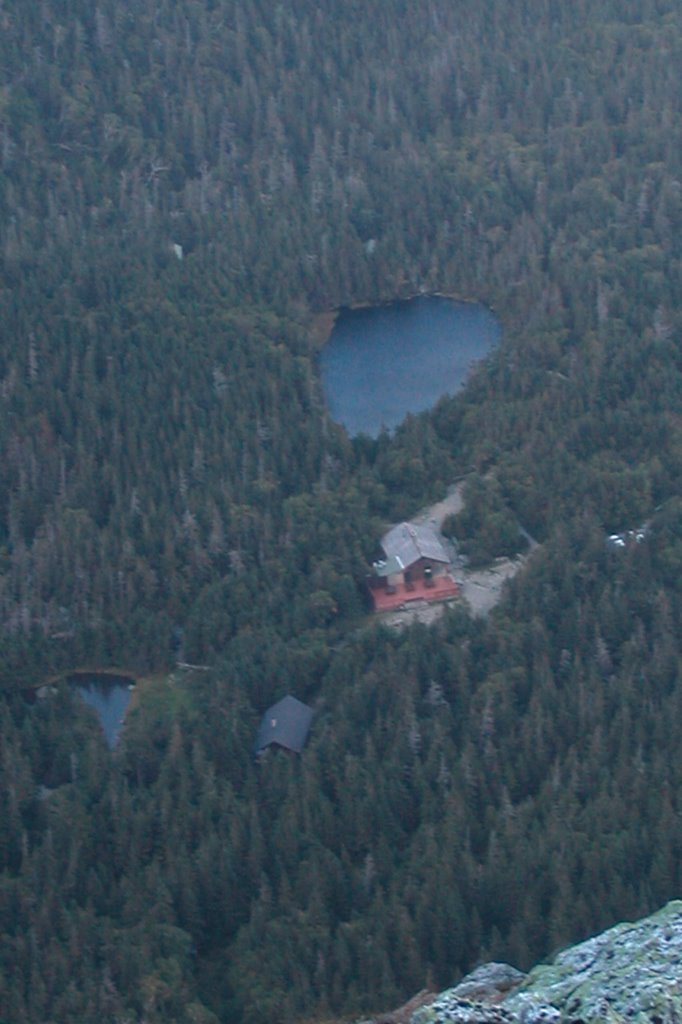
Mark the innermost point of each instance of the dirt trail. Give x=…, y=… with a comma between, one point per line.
x=436, y=514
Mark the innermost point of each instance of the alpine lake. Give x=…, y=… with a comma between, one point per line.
x=383, y=362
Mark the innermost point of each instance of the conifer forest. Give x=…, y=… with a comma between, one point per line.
x=188, y=188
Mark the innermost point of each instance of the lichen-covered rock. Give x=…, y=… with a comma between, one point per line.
x=630, y=974
x=451, y=1009
x=474, y=999
x=488, y=983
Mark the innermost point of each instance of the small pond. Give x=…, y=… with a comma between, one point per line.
x=109, y=695
x=384, y=362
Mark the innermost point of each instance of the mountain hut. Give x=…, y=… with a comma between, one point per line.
x=286, y=724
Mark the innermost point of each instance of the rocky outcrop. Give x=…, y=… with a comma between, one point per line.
x=477, y=999
x=630, y=974
x=489, y=983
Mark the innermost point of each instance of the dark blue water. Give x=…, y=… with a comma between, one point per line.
x=109, y=696
x=383, y=362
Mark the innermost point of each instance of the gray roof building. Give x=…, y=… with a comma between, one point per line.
x=286, y=724
x=405, y=544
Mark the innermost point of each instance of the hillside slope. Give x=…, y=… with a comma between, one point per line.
x=172, y=490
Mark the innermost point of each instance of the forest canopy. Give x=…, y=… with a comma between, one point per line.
x=185, y=186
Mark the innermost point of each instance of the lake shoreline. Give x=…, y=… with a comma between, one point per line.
x=322, y=324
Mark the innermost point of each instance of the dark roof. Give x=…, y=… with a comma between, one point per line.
x=408, y=543
x=286, y=723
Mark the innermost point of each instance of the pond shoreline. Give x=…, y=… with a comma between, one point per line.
x=322, y=324
x=121, y=673
x=106, y=680
x=110, y=697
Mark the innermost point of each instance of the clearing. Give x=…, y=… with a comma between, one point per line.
x=480, y=588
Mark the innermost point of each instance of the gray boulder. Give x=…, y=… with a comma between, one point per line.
x=475, y=1000
x=630, y=974
x=488, y=983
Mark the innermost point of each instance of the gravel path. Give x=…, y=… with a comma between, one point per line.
x=434, y=515
x=482, y=588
